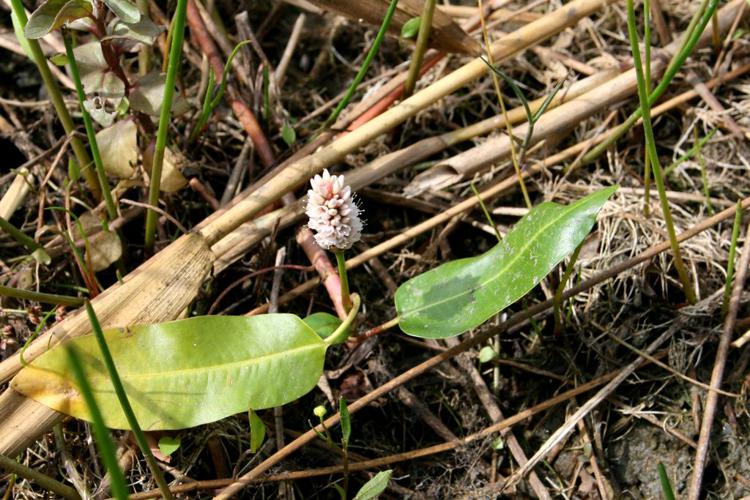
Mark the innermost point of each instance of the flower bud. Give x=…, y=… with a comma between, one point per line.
x=320, y=411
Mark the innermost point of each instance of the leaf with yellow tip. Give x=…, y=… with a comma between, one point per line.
x=185, y=373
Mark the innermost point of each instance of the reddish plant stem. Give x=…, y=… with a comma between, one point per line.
x=382, y=105
x=328, y=274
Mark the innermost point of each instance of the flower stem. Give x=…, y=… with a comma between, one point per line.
x=345, y=297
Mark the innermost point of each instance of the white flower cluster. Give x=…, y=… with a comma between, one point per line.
x=333, y=214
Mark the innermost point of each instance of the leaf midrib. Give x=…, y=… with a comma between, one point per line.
x=218, y=367
x=501, y=271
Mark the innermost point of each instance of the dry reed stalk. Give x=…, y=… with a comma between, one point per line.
x=556, y=121
x=16, y=193
x=159, y=290
x=297, y=173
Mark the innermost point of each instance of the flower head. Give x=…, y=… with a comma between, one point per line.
x=333, y=214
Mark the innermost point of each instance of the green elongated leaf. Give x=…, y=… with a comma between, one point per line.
x=168, y=445
x=22, y=40
x=257, y=431
x=411, y=27
x=52, y=14
x=185, y=373
x=463, y=294
x=125, y=10
x=375, y=486
x=288, y=134
x=322, y=323
x=346, y=422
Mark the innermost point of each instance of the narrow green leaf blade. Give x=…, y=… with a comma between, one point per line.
x=375, y=486
x=463, y=294
x=185, y=373
x=257, y=431
x=346, y=422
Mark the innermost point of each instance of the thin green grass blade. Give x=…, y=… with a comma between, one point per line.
x=122, y=398
x=103, y=440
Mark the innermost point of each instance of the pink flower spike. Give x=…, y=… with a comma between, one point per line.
x=333, y=214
